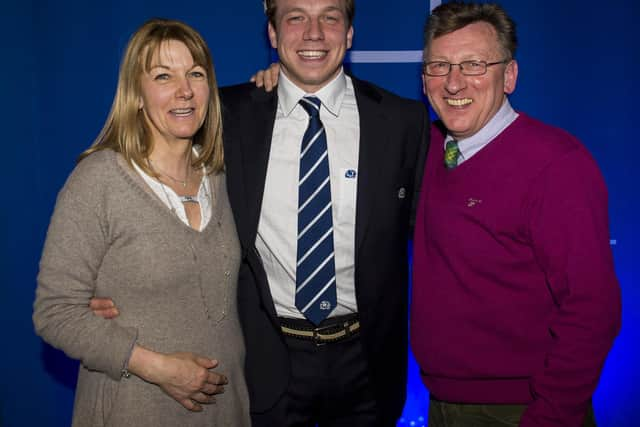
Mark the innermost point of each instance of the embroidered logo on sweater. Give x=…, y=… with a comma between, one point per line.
x=471, y=202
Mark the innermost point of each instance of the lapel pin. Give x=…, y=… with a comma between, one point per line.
x=350, y=173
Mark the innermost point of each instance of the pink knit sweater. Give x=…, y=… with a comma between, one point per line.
x=515, y=298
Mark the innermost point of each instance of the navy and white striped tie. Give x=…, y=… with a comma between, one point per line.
x=315, y=266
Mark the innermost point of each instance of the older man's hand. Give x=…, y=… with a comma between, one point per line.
x=267, y=78
x=103, y=307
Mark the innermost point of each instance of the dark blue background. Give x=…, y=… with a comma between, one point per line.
x=58, y=75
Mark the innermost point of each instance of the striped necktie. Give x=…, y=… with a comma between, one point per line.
x=315, y=266
x=451, y=154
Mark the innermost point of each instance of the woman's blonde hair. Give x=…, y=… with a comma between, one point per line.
x=126, y=131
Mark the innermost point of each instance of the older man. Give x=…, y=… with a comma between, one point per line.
x=515, y=301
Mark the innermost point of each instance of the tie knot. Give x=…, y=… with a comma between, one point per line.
x=311, y=104
x=451, y=154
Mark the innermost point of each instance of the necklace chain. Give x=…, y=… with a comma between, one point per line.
x=209, y=194
x=182, y=182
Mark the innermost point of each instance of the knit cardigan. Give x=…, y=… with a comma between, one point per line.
x=175, y=288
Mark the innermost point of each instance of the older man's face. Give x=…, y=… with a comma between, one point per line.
x=466, y=103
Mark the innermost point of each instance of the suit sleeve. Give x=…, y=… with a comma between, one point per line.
x=570, y=234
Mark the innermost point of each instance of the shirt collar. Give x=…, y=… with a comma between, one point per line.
x=503, y=118
x=331, y=94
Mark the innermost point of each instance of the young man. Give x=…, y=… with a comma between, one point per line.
x=515, y=302
x=337, y=358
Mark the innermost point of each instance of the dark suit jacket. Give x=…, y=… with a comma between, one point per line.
x=393, y=140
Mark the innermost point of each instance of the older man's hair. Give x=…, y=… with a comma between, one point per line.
x=270, y=10
x=453, y=16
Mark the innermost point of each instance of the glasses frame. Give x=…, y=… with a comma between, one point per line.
x=461, y=66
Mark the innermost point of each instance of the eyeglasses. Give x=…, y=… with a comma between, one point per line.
x=467, y=68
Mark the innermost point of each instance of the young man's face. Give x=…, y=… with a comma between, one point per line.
x=312, y=37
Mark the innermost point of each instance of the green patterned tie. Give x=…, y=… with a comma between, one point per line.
x=451, y=154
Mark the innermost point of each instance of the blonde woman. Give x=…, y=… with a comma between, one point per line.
x=144, y=219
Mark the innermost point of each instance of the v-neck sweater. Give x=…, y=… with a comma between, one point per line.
x=175, y=288
x=514, y=298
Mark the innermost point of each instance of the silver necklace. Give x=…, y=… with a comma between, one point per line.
x=173, y=208
x=188, y=199
x=183, y=182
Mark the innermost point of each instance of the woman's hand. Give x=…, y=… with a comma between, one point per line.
x=186, y=377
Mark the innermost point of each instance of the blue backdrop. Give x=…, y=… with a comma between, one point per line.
x=58, y=76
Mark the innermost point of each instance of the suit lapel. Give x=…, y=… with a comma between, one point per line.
x=373, y=143
x=255, y=155
x=255, y=143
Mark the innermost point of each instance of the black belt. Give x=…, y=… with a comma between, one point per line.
x=331, y=330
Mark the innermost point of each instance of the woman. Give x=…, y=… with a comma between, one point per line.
x=144, y=218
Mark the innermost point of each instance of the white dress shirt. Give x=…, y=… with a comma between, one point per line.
x=494, y=127
x=278, y=226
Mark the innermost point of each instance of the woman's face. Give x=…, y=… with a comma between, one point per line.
x=175, y=94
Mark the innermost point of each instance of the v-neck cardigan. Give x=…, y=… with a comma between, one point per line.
x=175, y=288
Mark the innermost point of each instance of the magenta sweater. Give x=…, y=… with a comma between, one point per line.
x=515, y=298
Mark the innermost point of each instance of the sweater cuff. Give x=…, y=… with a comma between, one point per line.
x=114, y=357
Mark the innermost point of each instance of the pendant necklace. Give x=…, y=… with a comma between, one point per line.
x=187, y=198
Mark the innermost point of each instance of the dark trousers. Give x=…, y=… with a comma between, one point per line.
x=443, y=414
x=329, y=387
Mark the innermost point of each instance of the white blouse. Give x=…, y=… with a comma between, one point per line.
x=173, y=202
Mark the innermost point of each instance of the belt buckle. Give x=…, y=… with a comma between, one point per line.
x=344, y=327
x=317, y=339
